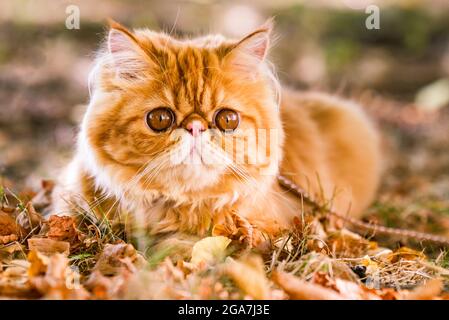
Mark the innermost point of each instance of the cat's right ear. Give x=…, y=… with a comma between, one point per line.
x=249, y=53
x=127, y=57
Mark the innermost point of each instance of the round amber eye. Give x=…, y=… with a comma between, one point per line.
x=160, y=119
x=227, y=120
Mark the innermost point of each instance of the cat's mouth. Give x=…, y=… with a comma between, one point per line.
x=194, y=150
x=190, y=154
x=198, y=156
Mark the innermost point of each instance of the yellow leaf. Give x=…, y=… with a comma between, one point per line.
x=405, y=253
x=249, y=275
x=38, y=263
x=210, y=250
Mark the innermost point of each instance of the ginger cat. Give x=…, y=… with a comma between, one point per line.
x=187, y=137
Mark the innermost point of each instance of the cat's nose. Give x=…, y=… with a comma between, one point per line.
x=195, y=127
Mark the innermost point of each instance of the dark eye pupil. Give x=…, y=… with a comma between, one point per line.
x=227, y=120
x=160, y=119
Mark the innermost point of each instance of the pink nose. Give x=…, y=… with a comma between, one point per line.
x=195, y=128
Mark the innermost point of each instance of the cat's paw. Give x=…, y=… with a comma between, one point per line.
x=238, y=228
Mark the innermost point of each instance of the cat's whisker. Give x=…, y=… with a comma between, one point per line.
x=98, y=201
x=157, y=164
x=141, y=172
x=243, y=175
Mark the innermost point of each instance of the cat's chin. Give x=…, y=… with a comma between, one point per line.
x=189, y=177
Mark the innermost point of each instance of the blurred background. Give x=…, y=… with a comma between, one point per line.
x=400, y=72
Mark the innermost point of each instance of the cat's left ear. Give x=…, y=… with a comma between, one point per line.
x=127, y=55
x=251, y=51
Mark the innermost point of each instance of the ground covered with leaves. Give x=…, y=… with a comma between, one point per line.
x=43, y=91
x=60, y=258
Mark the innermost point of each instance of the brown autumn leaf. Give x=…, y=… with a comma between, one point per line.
x=99, y=285
x=10, y=251
x=119, y=256
x=354, y=291
x=30, y=220
x=299, y=289
x=325, y=280
x=8, y=224
x=186, y=267
x=63, y=228
x=10, y=230
x=14, y=281
x=348, y=289
x=428, y=291
x=344, y=243
x=383, y=293
x=8, y=239
x=38, y=263
x=48, y=247
x=164, y=282
x=53, y=278
x=106, y=287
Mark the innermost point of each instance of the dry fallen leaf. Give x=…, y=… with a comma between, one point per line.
x=49, y=246
x=53, y=278
x=38, y=263
x=119, y=256
x=8, y=239
x=344, y=243
x=302, y=290
x=249, y=275
x=10, y=230
x=325, y=280
x=429, y=290
x=405, y=253
x=353, y=291
x=347, y=289
x=210, y=250
x=14, y=281
x=104, y=287
x=63, y=228
x=164, y=282
x=30, y=220
x=9, y=251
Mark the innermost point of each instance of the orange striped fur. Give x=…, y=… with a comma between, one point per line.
x=120, y=167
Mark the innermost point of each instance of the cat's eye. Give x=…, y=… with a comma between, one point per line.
x=160, y=119
x=227, y=120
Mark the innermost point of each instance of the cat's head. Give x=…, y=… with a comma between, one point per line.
x=182, y=116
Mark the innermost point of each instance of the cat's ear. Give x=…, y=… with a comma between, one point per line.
x=126, y=55
x=248, y=53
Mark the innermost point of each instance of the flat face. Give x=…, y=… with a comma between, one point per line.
x=188, y=114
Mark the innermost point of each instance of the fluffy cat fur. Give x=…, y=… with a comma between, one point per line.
x=120, y=169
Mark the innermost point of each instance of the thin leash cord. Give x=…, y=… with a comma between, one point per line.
x=363, y=226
